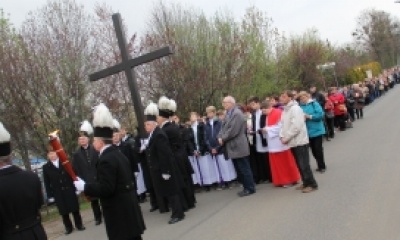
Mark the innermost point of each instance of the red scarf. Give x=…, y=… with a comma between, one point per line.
x=274, y=117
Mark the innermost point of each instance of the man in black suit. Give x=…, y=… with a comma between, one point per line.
x=162, y=165
x=260, y=164
x=21, y=198
x=84, y=163
x=166, y=109
x=61, y=190
x=122, y=214
x=127, y=150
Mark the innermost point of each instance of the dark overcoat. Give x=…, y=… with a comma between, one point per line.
x=59, y=185
x=200, y=138
x=160, y=161
x=21, y=197
x=86, y=168
x=122, y=214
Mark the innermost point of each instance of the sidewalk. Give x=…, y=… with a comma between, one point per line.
x=55, y=228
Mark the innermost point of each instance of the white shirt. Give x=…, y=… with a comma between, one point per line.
x=259, y=147
x=194, y=127
x=211, y=121
x=104, y=148
x=56, y=163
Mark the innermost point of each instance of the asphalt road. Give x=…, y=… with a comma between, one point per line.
x=358, y=196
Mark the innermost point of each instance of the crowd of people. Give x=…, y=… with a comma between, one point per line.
x=263, y=141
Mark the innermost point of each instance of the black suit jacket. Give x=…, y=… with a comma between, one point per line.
x=84, y=168
x=20, y=202
x=122, y=215
x=160, y=161
x=263, y=119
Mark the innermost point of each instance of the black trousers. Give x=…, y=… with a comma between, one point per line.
x=67, y=221
x=96, y=209
x=359, y=113
x=176, y=206
x=260, y=167
x=302, y=156
x=330, y=127
x=136, y=238
x=317, y=151
x=340, y=122
x=351, y=113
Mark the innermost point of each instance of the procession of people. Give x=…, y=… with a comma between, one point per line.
x=262, y=141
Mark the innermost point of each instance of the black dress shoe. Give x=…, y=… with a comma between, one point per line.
x=152, y=209
x=98, y=222
x=80, y=228
x=245, y=193
x=175, y=220
x=68, y=231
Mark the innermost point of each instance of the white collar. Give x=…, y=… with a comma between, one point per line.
x=104, y=148
x=162, y=124
x=56, y=163
x=6, y=166
x=195, y=124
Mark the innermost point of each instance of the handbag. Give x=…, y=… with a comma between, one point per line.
x=342, y=108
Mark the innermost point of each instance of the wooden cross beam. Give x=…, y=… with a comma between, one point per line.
x=127, y=65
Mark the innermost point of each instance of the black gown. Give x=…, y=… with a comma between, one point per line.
x=114, y=186
x=19, y=220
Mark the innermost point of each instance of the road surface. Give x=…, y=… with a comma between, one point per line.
x=358, y=196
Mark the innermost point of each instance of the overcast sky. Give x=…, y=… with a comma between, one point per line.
x=335, y=20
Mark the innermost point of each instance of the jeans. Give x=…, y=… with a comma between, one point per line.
x=302, y=156
x=245, y=173
x=317, y=151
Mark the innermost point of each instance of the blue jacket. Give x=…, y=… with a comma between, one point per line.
x=315, y=125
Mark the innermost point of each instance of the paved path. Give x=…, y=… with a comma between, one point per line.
x=358, y=198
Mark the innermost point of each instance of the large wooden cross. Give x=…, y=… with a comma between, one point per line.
x=127, y=66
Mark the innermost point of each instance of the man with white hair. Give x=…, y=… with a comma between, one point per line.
x=20, y=198
x=233, y=138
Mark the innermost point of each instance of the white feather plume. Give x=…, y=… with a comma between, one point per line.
x=117, y=125
x=172, y=105
x=163, y=103
x=151, y=109
x=86, y=127
x=4, y=134
x=102, y=117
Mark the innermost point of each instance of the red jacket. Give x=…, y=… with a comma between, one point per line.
x=337, y=100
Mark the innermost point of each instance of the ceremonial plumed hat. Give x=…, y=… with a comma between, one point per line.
x=5, y=145
x=172, y=106
x=86, y=129
x=151, y=112
x=117, y=125
x=163, y=106
x=103, y=122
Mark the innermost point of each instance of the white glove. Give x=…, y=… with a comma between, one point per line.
x=50, y=200
x=136, y=174
x=143, y=145
x=166, y=176
x=79, y=185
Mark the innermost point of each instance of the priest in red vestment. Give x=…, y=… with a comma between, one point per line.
x=283, y=165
